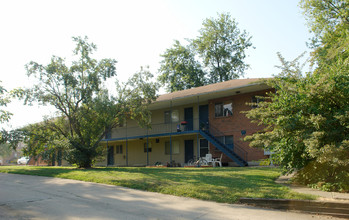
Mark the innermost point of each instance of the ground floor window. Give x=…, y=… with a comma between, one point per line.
x=145, y=147
x=118, y=149
x=203, y=147
x=227, y=140
x=175, y=147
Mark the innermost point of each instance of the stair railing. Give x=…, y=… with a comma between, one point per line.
x=217, y=133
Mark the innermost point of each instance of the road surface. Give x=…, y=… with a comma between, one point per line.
x=33, y=197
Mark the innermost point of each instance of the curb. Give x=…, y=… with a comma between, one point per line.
x=335, y=209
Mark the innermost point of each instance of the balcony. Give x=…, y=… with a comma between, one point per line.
x=156, y=130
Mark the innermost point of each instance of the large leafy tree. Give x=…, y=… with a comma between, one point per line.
x=328, y=20
x=179, y=68
x=216, y=55
x=222, y=45
x=307, y=118
x=86, y=111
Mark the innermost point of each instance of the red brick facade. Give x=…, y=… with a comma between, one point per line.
x=236, y=125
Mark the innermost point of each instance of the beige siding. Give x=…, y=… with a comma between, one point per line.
x=137, y=156
x=158, y=125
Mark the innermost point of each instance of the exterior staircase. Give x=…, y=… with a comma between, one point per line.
x=224, y=148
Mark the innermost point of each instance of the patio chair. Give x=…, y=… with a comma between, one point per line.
x=209, y=159
x=218, y=161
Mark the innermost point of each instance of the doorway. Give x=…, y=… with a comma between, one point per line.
x=188, y=150
x=110, y=157
x=188, y=117
x=203, y=116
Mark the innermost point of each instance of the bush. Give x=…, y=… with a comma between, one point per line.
x=328, y=173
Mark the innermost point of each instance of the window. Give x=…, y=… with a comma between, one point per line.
x=145, y=147
x=118, y=149
x=175, y=116
x=218, y=110
x=223, y=109
x=203, y=147
x=175, y=147
x=256, y=100
x=168, y=117
x=227, y=140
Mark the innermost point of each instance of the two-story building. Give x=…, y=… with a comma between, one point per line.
x=189, y=124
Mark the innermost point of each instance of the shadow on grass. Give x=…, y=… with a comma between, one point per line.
x=215, y=184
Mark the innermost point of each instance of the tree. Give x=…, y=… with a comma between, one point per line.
x=4, y=100
x=5, y=150
x=86, y=111
x=328, y=20
x=221, y=48
x=307, y=118
x=179, y=68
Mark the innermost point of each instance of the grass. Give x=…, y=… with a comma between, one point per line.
x=215, y=184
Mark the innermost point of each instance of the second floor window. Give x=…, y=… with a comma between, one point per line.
x=174, y=117
x=223, y=109
x=256, y=100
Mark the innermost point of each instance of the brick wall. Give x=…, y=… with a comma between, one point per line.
x=236, y=124
x=38, y=162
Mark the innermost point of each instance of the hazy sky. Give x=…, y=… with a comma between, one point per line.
x=135, y=33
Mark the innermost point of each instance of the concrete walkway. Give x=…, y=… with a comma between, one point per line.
x=331, y=196
x=33, y=197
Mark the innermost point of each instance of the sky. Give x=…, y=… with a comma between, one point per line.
x=135, y=33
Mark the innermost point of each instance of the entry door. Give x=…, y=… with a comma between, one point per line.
x=203, y=116
x=54, y=159
x=189, y=150
x=59, y=157
x=188, y=117
x=110, y=157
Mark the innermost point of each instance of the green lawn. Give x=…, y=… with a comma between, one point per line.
x=216, y=184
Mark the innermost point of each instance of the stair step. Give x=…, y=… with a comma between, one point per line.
x=224, y=148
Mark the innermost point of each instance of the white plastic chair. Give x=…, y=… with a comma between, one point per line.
x=217, y=160
x=209, y=159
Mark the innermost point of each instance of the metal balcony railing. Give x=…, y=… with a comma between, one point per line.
x=156, y=129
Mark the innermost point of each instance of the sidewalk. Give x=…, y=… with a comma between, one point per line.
x=328, y=203
x=329, y=196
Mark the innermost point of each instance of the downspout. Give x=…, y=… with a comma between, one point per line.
x=126, y=145
x=147, y=148
x=171, y=133
x=197, y=135
x=107, y=152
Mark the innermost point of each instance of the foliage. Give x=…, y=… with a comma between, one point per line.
x=221, y=48
x=86, y=111
x=4, y=100
x=225, y=185
x=5, y=150
x=329, y=21
x=307, y=118
x=180, y=68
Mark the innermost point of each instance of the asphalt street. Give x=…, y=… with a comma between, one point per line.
x=33, y=197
